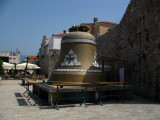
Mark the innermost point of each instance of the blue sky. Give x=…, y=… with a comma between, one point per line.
x=24, y=22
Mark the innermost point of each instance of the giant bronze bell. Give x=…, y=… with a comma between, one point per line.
x=77, y=61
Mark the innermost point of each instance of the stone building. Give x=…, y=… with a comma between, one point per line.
x=136, y=40
x=10, y=57
x=99, y=28
x=49, y=52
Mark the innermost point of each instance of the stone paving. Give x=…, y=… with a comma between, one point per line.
x=14, y=106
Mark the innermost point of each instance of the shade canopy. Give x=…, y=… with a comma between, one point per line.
x=8, y=66
x=21, y=66
x=37, y=67
x=29, y=66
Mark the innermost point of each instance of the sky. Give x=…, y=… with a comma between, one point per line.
x=24, y=22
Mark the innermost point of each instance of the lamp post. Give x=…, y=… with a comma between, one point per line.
x=26, y=67
x=25, y=72
x=15, y=70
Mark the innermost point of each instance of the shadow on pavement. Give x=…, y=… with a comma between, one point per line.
x=18, y=95
x=21, y=101
x=134, y=100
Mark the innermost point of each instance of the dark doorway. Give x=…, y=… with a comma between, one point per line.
x=5, y=59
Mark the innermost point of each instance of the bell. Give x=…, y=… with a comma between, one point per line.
x=77, y=62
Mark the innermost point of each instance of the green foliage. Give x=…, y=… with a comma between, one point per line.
x=34, y=73
x=1, y=68
x=79, y=28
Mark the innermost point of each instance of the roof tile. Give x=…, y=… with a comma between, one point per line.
x=60, y=34
x=101, y=22
x=31, y=57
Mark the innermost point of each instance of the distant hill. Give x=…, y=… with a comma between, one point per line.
x=22, y=57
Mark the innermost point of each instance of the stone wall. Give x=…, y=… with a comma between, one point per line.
x=53, y=58
x=48, y=62
x=136, y=40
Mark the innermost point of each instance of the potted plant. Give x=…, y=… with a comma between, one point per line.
x=1, y=69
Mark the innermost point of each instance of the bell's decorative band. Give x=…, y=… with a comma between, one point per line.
x=75, y=70
x=79, y=40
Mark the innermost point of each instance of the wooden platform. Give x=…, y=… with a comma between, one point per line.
x=51, y=90
x=54, y=91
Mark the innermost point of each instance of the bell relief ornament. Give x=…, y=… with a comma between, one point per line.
x=94, y=61
x=70, y=60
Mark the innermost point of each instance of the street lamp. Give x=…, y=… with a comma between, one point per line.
x=25, y=72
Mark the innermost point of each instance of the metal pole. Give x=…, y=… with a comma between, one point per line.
x=103, y=66
x=14, y=70
x=115, y=71
x=26, y=67
x=103, y=70
x=25, y=72
x=140, y=50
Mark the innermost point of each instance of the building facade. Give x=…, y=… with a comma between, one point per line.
x=10, y=57
x=49, y=52
x=99, y=28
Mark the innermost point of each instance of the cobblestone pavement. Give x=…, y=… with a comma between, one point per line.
x=14, y=106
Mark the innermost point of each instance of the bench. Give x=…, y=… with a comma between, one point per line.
x=57, y=88
x=83, y=91
x=102, y=84
x=98, y=88
x=50, y=90
x=31, y=82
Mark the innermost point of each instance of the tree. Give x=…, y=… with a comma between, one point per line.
x=1, y=68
